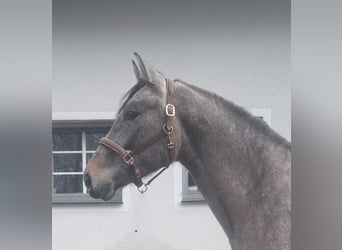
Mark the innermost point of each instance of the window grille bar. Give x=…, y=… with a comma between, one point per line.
x=84, y=158
x=67, y=152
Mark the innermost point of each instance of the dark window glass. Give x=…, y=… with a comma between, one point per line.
x=67, y=162
x=71, y=139
x=66, y=140
x=68, y=184
x=93, y=137
x=191, y=181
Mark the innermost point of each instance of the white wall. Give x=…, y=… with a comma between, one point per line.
x=240, y=51
x=161, y=220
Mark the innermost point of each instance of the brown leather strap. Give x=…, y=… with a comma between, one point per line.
x=127, y=156
x=170, y=108
x=112, y=145
x=170, y=114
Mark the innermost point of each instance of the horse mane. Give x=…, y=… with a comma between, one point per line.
x=239, y=111
x=130, y=93
x=242, y=113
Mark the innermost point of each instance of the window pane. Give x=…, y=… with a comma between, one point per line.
x=93, y=137
x=67, y=162
x=67, y=184
x=66, y=140
x=191, y=183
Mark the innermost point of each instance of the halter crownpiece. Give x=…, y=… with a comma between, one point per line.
x=166, y=131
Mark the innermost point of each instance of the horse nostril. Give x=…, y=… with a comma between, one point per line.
x=87, y=180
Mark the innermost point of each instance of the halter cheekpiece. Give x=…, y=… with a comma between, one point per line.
x=166, y=131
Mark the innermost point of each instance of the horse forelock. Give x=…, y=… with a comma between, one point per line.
x=130, y=93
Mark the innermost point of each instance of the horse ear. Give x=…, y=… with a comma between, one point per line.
x=147, y=72
x=136, y=70
x=141, y=65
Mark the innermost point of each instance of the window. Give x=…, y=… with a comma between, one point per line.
x=73, y=146
x=190, y=191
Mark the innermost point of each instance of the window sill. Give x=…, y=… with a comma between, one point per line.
x=84, y=199
x=192, y=197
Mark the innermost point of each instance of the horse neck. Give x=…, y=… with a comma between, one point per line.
x=232, y=164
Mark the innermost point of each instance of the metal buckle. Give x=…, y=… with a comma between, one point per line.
x=128, y=158
x=170, y=110
x=170, y=145
x=137, y=172
x=143, y=188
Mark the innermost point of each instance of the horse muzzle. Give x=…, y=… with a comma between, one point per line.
x=104, y=191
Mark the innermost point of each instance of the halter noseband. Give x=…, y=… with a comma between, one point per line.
x=166, y=131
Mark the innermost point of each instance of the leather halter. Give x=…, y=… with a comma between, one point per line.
x=166, y=131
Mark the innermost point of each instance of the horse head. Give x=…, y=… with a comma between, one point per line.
x=141, y=124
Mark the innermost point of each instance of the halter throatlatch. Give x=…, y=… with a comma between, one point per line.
x=166, y=131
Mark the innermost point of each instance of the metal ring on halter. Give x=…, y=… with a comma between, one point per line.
x=143, y=188
x=167, y=130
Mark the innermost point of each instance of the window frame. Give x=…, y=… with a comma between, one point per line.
x=195, y=195
x=82, y=121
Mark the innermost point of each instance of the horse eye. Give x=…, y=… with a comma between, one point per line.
x=131, y=115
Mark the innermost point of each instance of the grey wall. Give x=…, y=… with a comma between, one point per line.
x=240, y=50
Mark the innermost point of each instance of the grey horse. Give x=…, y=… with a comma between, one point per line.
x=241, y=166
